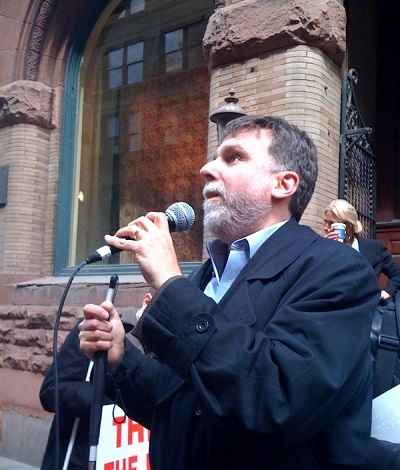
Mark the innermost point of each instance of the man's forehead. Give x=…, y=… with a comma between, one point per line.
x=257, y=132
x=240, y=137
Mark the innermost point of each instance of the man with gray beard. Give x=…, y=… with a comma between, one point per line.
x=261, y=358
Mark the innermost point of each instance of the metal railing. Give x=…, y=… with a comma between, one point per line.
x=357, y=169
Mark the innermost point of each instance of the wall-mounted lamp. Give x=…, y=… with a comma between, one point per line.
x=227, y=113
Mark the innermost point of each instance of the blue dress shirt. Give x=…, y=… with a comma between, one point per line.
x=228, y=262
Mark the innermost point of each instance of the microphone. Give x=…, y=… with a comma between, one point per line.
x=180, y=217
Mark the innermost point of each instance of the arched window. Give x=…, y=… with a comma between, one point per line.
x=140, y=137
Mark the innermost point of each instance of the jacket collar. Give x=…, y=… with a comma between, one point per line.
x=279, y=251
x=274, y=255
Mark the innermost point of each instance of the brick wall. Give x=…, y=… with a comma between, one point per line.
x=29, y=212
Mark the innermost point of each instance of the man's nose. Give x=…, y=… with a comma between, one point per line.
x=208, y=171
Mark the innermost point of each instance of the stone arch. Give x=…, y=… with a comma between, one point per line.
x=52, y=27
x=37, y=35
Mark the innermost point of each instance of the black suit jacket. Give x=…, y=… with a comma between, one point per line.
x=382, y=262
x=277, y=375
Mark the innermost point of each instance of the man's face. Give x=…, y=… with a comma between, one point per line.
x=237, y=193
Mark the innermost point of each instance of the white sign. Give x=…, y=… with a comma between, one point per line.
x=123, y=443
x=386, y=416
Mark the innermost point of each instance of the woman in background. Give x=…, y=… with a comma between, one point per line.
x=376, y=253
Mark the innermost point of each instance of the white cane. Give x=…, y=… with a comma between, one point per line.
x=76, y=424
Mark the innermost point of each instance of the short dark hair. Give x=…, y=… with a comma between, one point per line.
x=292, y=150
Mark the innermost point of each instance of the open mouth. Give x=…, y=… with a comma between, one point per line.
x=211, y=193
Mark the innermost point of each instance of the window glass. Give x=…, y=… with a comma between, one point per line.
x=174, y=41
x=144, y=122
x=115, y=59
x=135, y=73
x=137, y=5
x=135, y=52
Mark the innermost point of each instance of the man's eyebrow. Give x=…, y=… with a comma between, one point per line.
x=232, y=148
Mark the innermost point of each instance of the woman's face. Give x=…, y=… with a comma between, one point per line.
x=329, y=219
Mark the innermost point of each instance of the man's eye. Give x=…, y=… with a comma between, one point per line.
x=234, y=158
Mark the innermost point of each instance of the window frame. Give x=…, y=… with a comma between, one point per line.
x=69, y=128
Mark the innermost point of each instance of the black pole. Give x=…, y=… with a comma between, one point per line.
x=99, y=383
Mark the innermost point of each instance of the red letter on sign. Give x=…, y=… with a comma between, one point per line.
x=119, y=423
x=134, y=427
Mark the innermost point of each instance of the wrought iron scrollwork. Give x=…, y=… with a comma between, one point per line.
x=357, y=172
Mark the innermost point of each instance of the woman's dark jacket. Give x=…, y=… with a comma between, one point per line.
x=382, y=262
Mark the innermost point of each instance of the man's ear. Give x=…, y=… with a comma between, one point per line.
x=146, y=299
x=285, y=184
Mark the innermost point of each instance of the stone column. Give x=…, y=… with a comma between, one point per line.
x=26, y=123
x=283, y=58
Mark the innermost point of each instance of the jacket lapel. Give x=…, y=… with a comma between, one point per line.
x=273, y=256
x=279, y=251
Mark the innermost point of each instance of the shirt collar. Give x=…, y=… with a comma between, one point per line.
x=219, y=250
x=356, y=244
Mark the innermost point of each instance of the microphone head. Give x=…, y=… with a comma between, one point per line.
x=180, y=216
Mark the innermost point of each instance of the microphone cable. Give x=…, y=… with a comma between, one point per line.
x=55, y=362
